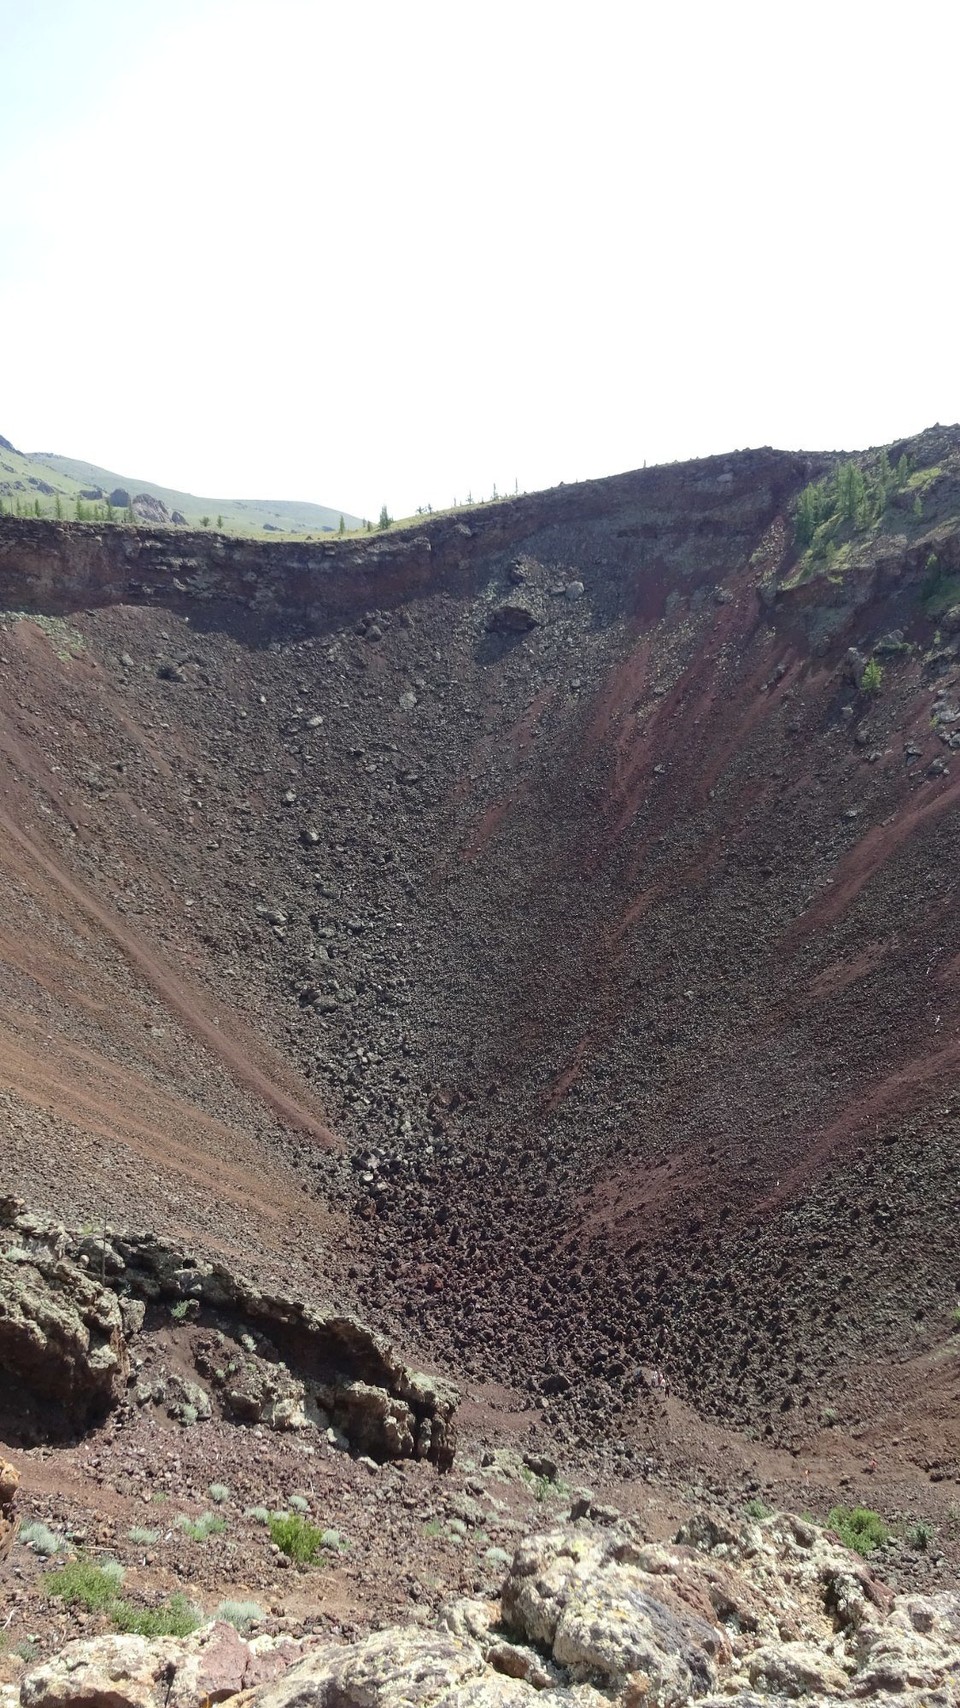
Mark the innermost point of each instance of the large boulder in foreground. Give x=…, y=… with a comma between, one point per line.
x=212, y=1665
x=738, y=1616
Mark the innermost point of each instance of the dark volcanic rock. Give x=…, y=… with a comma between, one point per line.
x=512, y=618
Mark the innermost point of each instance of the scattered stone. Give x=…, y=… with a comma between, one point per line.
x=513, y=618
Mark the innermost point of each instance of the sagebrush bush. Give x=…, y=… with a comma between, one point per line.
x=296, y=1537
x=81, y=1583
x=218, y=1492
x=174, y=1618
x=240, y=1614
x=41, y=1539
x=198, y=1529
x=859, y=1528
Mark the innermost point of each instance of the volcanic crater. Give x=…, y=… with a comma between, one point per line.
x=523, y=927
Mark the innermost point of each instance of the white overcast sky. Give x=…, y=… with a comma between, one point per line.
x=383, y=252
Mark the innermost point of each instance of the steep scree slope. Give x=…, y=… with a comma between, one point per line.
x=526, y=926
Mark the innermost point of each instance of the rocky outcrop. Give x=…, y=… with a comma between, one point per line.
x=148, y=509
x=749, y=1616
x=61, y=1331
x=69, y=1302
x=9, y=1522
x=291, y=1360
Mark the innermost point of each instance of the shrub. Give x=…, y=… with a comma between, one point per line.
x=296, y=1537
x=174, y=1618
x=259, y=1513
x=140, y=1533
x=299, y=1503
x=41, y=1539
x=180, y=1310
x=757, y=1508
x=240, y=1614
x=920, y=1535
x=872, y=677
x=218, y=1492
x=198, y=1529
x=84, y=1584
x=859, y=1528
x=954, y=1324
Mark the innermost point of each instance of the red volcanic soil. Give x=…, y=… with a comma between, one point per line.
x=571, y=1000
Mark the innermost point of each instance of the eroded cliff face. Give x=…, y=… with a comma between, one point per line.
x=680, y=513
x=528, y=920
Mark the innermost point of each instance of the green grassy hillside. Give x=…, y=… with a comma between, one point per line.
x=46, y=485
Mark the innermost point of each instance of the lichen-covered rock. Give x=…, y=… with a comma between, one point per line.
x=916, y=1648
x=164, y=1672
x=796, y=1669
x=61, y=1332
x=9, y=1522
x=601, y=1619
x=250, y=1387
x=410, y=1669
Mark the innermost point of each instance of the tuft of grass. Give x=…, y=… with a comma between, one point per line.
x=176, y=1617
x=433, y=1527
x=198, y=1529
x=180, y=1310
x=296, y=1537
x=858, y=1527
x=27, y=1650
x=240, y=1614
x=299, y=1503
x=83, y=1584
x=140, y=1533
x=920, y=1535
x=259, y=1513
x=218, y=1492
x=757, y=1508
x=41, y=1539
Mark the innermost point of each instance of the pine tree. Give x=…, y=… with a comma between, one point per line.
x=343, y=526
x=385, y=518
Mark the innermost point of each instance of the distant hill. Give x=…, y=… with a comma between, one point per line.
x=56, y=485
